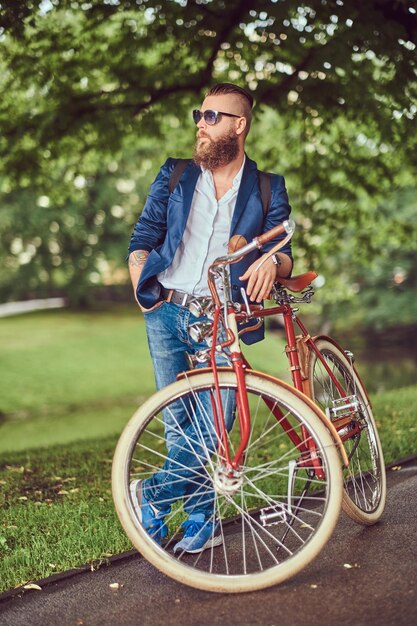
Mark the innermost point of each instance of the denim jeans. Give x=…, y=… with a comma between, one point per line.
x=169, y=340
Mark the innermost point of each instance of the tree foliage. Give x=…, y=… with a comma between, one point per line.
x=100, y=92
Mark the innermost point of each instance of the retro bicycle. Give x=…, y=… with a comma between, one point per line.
x=263, y=456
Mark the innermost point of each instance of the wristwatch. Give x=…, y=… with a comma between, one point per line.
x=276, y=260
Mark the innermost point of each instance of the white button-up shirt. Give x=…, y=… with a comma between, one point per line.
x=205, y=238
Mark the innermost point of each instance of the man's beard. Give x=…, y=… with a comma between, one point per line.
x=216, y=153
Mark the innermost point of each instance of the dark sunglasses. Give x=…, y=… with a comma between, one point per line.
x=210, y=117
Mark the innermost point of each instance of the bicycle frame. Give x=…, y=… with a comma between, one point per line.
x=241, y=365
x=231, y=317
x=292, y=350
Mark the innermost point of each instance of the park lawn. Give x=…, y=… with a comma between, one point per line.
x=58, y=361
x=57, y=510
x=66, y=376
x=85, y=373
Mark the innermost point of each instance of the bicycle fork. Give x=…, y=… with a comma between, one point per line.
x=242, y=406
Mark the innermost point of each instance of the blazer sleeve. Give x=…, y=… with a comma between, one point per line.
x=279, y=210
x=150, y=229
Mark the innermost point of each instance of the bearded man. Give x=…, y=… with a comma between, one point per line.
x=176, y=239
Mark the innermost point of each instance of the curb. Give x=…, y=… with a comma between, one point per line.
x=76, y=571
x=123, y=556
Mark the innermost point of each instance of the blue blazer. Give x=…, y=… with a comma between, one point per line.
x=161, y=225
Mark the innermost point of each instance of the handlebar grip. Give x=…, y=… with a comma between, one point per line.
x=288, y=226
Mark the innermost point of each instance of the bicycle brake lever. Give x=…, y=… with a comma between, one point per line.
x=245, y=300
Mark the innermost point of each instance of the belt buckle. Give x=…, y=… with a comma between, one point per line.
x=184, y=299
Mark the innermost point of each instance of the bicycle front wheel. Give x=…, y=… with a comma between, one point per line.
x=364, y=478
x=270, y=516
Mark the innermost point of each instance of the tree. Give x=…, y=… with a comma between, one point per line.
x=89, y=84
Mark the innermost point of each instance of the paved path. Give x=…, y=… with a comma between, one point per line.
x=379, y=588
x=26, y=306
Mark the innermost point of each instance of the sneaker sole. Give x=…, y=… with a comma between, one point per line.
x=210, y=543
x=133, y=488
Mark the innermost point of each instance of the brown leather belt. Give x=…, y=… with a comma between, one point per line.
x=179, y=297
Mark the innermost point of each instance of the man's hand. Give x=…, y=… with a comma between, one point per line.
x=260, y=281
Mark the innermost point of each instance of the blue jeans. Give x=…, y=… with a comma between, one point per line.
x=189, y=431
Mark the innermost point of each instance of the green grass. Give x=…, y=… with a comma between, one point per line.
x=68, y=384
x=68, y=376
x=57, y=510
x=394, y=413
x=57, y=361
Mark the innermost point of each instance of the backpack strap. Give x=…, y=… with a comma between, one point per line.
x=177, y=172
x=265, y=189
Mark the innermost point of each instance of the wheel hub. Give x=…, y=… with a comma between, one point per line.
x=227, y=481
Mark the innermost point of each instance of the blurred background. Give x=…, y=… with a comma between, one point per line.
x=97, y=94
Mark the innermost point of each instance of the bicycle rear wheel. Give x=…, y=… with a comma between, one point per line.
x=364, y=479
x=273, y=515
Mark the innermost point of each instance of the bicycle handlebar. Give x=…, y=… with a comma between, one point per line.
x=287, y=226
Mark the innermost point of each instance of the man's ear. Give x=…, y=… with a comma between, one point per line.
x=241, y=125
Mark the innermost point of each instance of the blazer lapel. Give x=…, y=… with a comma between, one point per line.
x=249, y=178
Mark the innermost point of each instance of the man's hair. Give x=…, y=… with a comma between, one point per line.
x=245, y=97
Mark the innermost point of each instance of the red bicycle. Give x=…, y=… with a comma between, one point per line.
x=268, y=456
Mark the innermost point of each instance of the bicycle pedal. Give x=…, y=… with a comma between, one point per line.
x=273, y=515
x=343, y=407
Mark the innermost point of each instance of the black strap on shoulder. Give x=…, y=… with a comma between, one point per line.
x=265, y=189
x=177, y=172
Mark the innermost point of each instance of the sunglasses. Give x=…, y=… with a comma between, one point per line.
x=210, y=117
